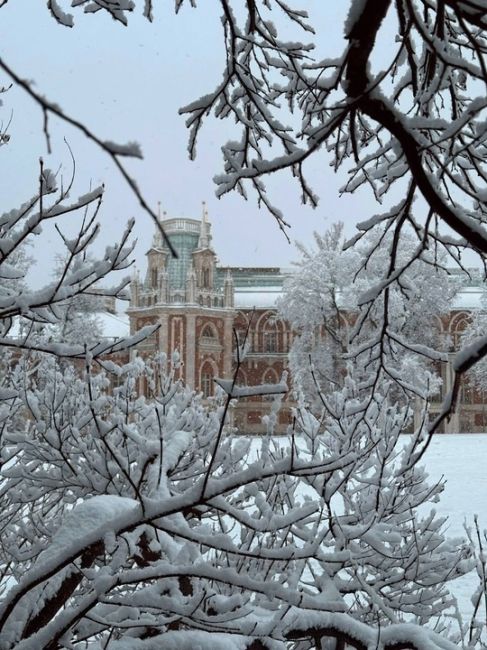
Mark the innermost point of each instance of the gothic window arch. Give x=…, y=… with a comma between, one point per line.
x=208, y=332
x=241, y=327
x=270, y=333
x=206, y=278
x=241, y=377
x=458, y=325
x=270, y=337
x=208, y=372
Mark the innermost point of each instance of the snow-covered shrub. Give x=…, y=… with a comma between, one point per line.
x=144, y=522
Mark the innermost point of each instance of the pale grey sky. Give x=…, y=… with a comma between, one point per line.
x=127, y=84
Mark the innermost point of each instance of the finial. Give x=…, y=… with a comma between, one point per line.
x=159, y=210
x=205, y=237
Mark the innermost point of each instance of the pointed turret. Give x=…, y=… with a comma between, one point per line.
x=134, y=288
x=228, y=290
x=204, y=240
x=157, y=257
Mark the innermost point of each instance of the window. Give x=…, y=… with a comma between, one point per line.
x=206, y=278
x=207, y=384
x=458, y=330
x=270, y=342
x=154, y=278
x=208, y=332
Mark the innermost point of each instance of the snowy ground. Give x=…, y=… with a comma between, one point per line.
x=462, y=460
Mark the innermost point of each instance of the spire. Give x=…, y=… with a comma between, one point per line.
x=205, y=237
x=228, y=290
x=134, y=288
x=157, y=237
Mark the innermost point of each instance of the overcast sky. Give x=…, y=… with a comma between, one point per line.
x=127, y=84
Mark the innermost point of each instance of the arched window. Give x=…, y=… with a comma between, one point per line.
x=154, y=278
x=241, y=334
x=206, y=278
x=241, y=377
x=270, y=341
x=458, y=326
x=207, y=384
x=206, y=379
x=208, y=332
x=270, y=333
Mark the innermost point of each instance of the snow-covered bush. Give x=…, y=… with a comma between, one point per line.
x=142, y=522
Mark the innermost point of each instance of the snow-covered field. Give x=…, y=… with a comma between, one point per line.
x=462, y=460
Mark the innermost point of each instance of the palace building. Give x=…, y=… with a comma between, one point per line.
x=198, y=305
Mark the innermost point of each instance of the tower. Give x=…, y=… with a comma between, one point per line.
x=204, y=262
x=191, y=298
x=228, y=291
